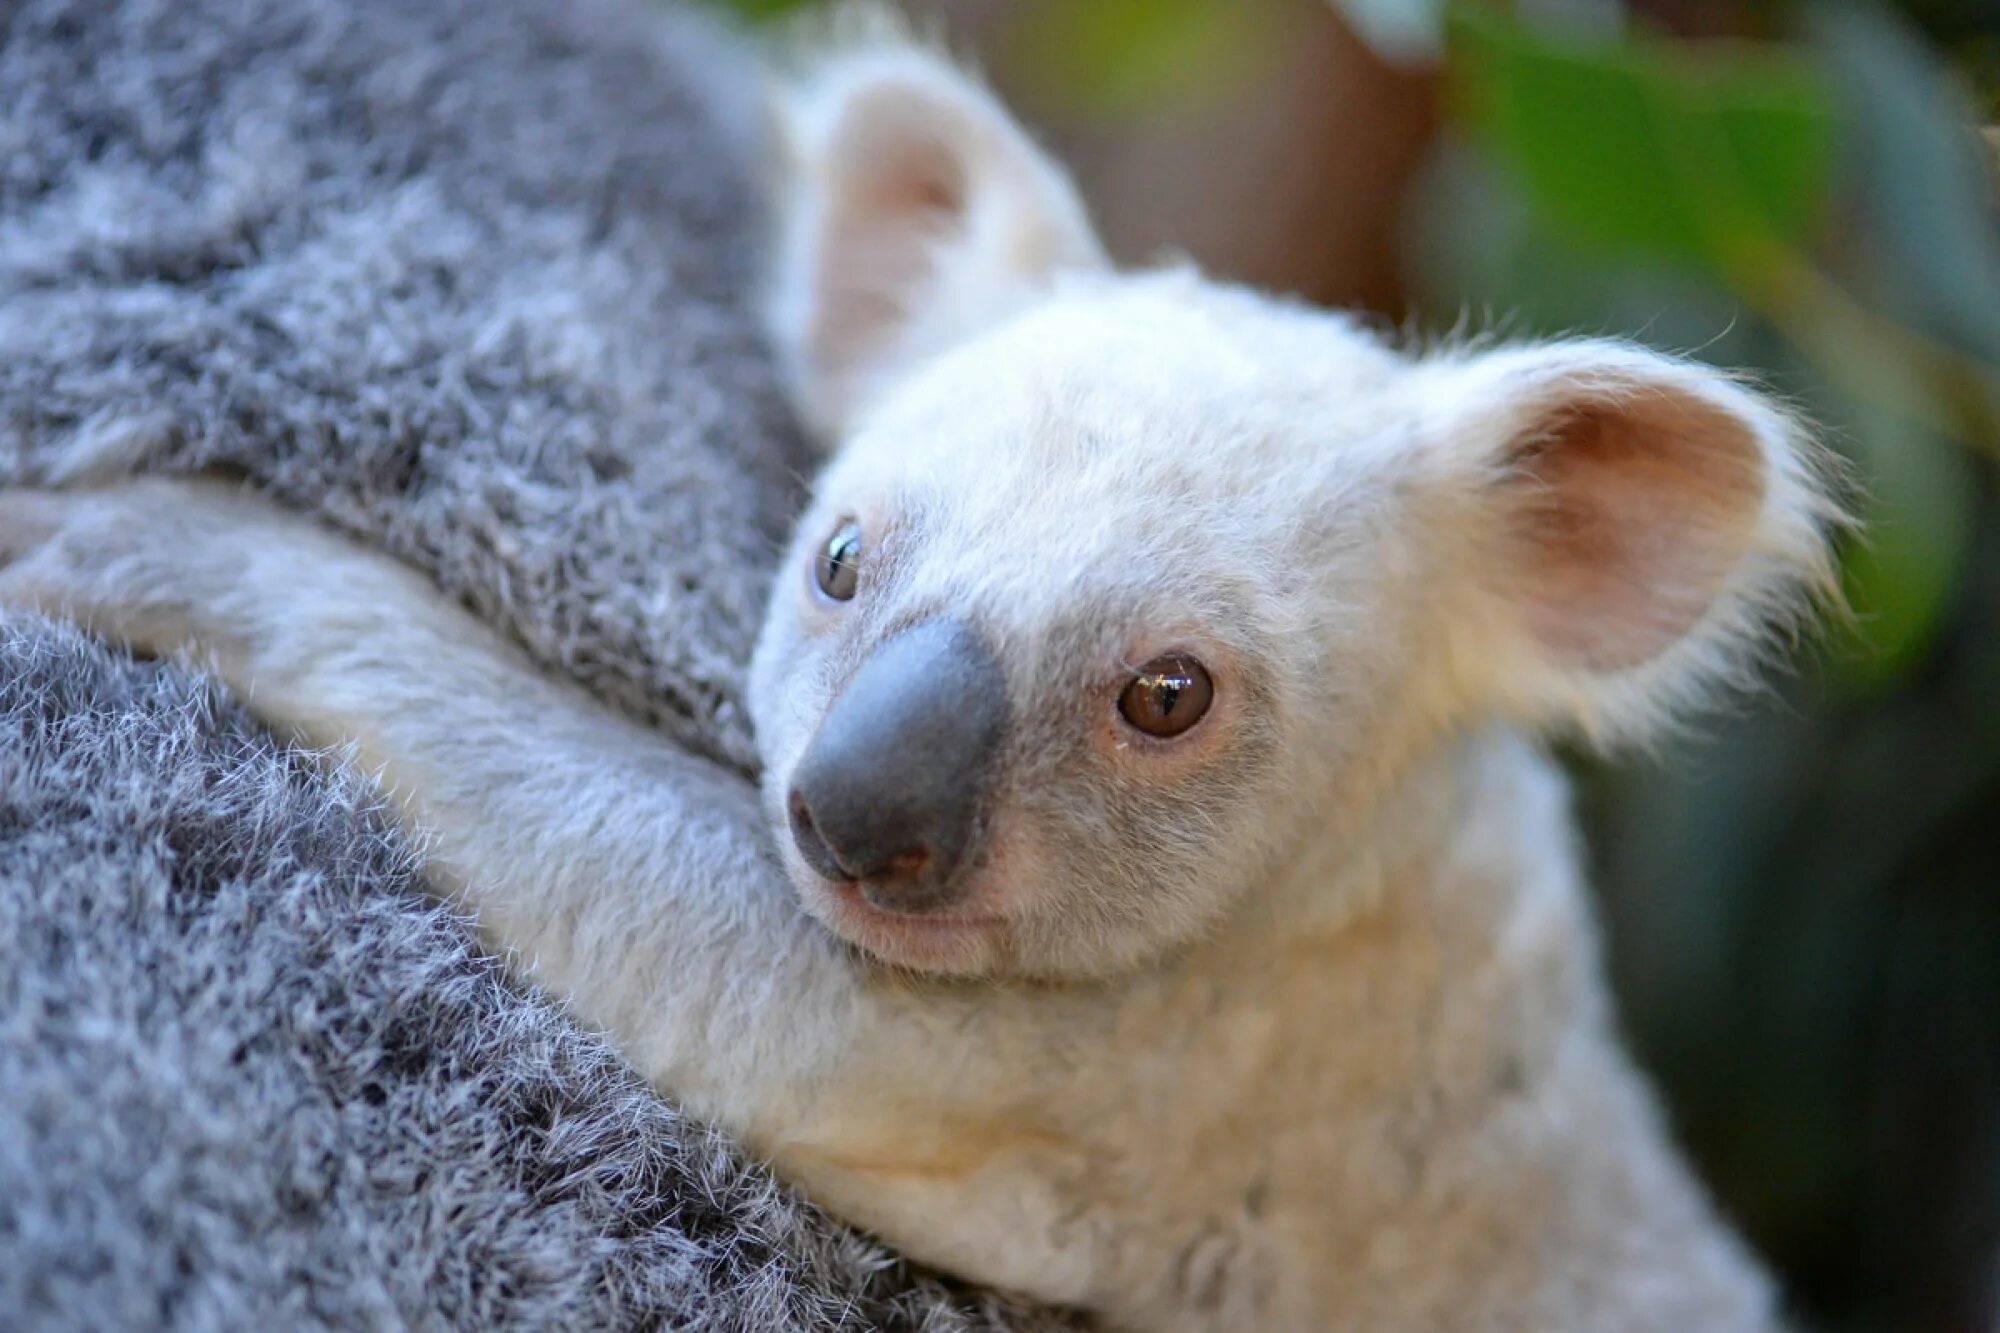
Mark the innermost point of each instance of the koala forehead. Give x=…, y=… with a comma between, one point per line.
x=1140, y=367
x=1159, y=431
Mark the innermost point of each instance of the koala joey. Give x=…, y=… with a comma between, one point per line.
x=1157, y=902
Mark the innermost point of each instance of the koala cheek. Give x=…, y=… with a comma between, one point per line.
x=1024, y=875
x=1002, y=875
x=772, y=668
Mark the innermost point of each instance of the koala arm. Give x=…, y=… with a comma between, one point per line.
x=614, y=869
x=622, y=872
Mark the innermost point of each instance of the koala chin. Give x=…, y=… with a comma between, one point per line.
x=1192, y=928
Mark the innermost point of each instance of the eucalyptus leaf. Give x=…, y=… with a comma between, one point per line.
x=1703, y=156
x=1477, y=248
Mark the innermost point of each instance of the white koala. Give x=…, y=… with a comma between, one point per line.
x=1192, y=931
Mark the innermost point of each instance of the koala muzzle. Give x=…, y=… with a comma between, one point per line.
x=888, y=793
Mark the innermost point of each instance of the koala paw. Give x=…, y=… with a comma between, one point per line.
x=40, y=551
x=112, y=560
x=28, y=519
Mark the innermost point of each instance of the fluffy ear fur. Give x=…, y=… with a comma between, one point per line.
x=1629, y=527
x=919, y=212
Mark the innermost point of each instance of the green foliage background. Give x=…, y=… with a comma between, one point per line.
x=1804, y=908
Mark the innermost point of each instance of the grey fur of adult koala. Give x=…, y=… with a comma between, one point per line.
x=250, y=1079
x=475, y=280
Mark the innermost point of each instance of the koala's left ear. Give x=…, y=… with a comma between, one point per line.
x=918, y=212
x=1626, y=525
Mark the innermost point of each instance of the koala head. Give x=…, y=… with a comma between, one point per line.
x=1124, y=591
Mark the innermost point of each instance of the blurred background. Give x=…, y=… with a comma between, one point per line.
x=1803, y=905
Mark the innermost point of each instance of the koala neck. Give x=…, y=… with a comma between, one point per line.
x=1459, y=835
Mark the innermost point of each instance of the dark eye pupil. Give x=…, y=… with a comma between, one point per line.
x=838, y=569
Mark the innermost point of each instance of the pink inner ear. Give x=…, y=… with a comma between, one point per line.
x=897, y=188
x=1635, y=510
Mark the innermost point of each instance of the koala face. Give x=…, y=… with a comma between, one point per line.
x=1054, y=629
x=1121, y=590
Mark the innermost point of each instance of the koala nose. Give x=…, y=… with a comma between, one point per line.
x=888, y=792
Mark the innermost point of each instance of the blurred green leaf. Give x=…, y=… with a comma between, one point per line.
x=1476, y=246
x=1924, y=193
x=759, y=11
x=1917, y=523
x=1123, y=57
x=1703, y=156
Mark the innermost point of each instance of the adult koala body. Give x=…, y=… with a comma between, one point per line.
x=1205, y=945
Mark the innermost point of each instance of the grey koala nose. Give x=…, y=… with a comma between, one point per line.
x=888, y=792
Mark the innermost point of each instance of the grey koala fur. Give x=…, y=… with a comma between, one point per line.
x=250, y=1079
x=476, y=281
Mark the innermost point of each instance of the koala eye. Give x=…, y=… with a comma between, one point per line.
x=837, y=567
x=1170, y=694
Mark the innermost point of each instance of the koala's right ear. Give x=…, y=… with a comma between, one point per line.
x=919, y=211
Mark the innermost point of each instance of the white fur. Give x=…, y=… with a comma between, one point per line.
x=1325, y=1045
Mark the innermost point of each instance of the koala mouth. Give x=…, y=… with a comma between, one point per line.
x=945, y=944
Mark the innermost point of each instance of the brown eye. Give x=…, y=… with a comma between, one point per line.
x=837, y=567
x=1170, y=694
